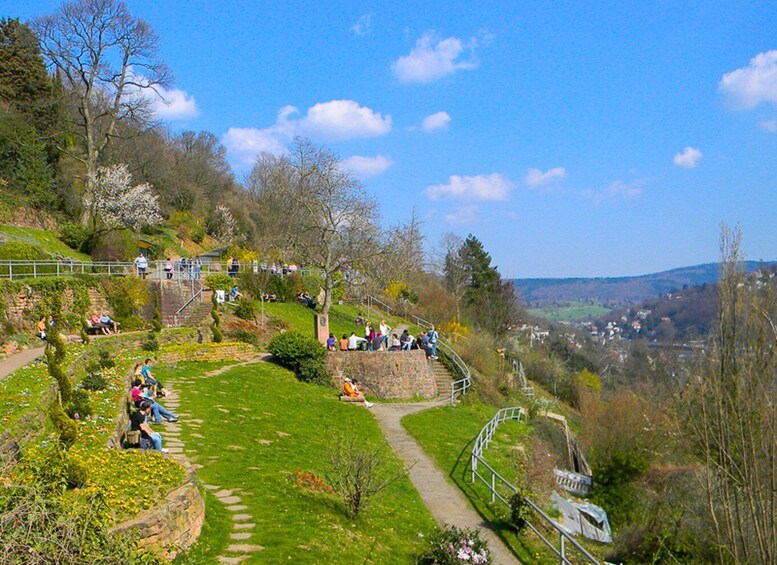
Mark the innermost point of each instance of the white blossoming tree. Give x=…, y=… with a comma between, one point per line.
x=113, y=203
x=225, y=226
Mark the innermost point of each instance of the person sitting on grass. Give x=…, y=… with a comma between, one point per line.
x=138, y=423
x=106, y=321
x=351, y=390
x=159, y=411
x=360, y=321
x=235, y=293
x=344, y=343
x=330, y=343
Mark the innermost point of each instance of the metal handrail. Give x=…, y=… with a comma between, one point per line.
x=195, y=296
x=462, y=385
x=476, y=459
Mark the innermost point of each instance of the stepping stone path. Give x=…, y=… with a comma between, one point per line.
x=230, y=498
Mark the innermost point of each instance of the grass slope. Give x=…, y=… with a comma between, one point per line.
x=446, y=434
x=45, y=239
x=259, y=426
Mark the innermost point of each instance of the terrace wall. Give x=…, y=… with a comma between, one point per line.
x=385, y=374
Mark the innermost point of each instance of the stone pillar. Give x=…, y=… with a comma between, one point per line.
x=321, y=329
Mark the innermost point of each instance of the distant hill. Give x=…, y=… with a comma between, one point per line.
x=614, y=291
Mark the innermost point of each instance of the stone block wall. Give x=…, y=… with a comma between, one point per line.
x=210, y=352
x=170, y=526
x=19, y=306
x=384, y=374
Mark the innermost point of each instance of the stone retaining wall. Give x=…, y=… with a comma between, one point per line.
x=210, y=352
x=171, y=525
x=385, y=374
x=19, y=306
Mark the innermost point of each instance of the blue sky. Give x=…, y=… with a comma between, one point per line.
x=572, y=138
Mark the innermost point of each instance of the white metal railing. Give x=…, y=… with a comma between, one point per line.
x=496, y=481
x=18, y=269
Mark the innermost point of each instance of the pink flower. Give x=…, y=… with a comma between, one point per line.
x=463, y=555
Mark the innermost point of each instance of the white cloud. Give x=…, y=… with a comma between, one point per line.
x=174, y=104
x=616, y=189
x=325, y=121
x=466, y=214
x=768, y=125
x=431, y=60
x=749, y=86
x=166, y=104
x=480, y=187
x=437, y=121
x=363, y=25
x=688, y=159
x=244, y=144
x=343, y=119
x=367, y=167
x=535, y=177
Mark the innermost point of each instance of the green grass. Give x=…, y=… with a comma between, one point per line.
x=570, y=311
x=46, y=239
x=446, y=434
x=259, y=426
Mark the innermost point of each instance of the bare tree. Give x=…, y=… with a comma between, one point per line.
x=108, y=60
x=732, y=414
x=324, y=216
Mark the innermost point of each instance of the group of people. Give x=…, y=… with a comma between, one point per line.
x=383, y=339
x=146, y=390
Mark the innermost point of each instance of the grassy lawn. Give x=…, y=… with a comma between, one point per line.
x=570, y=311
x=446, y=434
x=260, y=425
x=46, y=239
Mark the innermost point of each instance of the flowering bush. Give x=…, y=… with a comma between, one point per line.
x=451, y=545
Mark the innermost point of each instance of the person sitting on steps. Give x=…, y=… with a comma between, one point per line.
x=138, y=423
x=157, y=409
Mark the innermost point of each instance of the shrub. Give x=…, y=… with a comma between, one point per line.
x=77, y=473
x=198, y=234
x=520, y=511
x=105, y=361
x=79, y=404
x=220, y=281
x=215, y=327
x=245, y=336
x=286, y=288
x=302, y=354
x=357, y=473
x=451, y=545
x=247, y=309
x=94, y=380
x=126, y=297
x=66, y=428
x=156, y=320
x=151, y=343
x=21, y=250
x=73, y=235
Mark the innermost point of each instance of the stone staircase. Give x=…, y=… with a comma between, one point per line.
x=172, y=296
x=442, y=378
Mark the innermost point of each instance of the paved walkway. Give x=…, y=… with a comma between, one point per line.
x=19, y=360
x=446, y=502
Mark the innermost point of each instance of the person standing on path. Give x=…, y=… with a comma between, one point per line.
x=432, y=335
x=141, y=264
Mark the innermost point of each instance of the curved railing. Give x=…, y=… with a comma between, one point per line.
x=495, y=481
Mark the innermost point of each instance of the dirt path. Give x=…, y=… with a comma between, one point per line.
x=446, y=503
